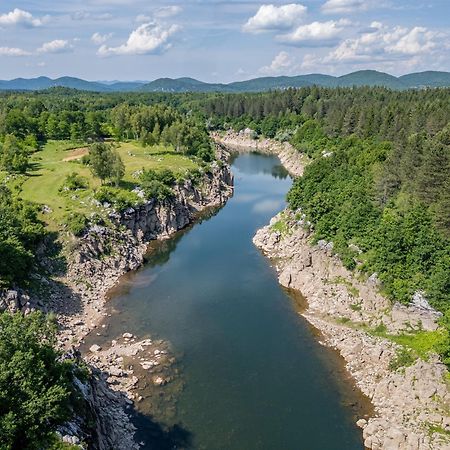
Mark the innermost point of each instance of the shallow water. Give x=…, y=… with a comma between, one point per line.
x=255, y=375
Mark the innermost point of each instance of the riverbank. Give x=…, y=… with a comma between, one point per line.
x=411, y=403
x=242, y=142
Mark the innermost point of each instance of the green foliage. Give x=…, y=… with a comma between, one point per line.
x=120, y=199
x=34, y=386
x=157, y=183
x=76, y=223
x=20, y=234
x=13, y=155
x=403, y=358
x=74, y=182
x=105, y=162
x=165, y=176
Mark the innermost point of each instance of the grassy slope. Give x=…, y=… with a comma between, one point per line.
x=49, y=171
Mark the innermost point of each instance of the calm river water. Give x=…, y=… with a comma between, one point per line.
x=255, y=376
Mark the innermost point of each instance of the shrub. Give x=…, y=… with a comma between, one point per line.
x=74, y=182
x=76, y=223
x=120, y=199
x=165, y=176
x=158, y=190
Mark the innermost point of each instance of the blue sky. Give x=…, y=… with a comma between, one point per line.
x=216, y=40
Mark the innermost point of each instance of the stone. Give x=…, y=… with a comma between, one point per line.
x=361, y=423
x=127, y=335
x=159, y=381
x=94, y=348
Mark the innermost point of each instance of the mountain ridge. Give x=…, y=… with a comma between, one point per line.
x=416, y=80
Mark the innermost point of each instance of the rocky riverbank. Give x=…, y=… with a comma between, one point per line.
x=411, y=403
x=244, y=142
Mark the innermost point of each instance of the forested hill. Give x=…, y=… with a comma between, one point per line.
x=361, y=78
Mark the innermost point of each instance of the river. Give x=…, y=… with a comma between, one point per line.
x=254, y=373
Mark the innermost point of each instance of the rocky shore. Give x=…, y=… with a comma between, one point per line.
x=411, y=403
x=244, y=142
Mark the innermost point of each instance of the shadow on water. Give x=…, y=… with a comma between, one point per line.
x=154, y=436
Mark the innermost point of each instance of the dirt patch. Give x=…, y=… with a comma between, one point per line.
x=77, y=153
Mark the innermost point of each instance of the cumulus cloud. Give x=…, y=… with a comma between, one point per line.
x=281, y=64
x=344, y=6
x=275, y=18
x=148, y=38
x=56, y=46
x=315, y=34
x=12, y=51
x=22, y=18
x=385, y=43
x=98, y=38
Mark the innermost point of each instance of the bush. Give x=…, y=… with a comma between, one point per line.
x=165, y=176
x=158, y=190
x=120, y=199
x=76, y=223
x=74, y=182
x=35, y=387
x=157, y=183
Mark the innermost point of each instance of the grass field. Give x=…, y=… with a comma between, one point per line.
x=51, y=165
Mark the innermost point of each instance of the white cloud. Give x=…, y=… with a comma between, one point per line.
x=12, y=51
x=159, y=13
x=98, y=38
x=84, y=15
x=148, y=38
x=275, y=18
x=344, y=6
x=168, y=11
x=22, y=18
x=384, y=44
x=281, y=64
x=56, y=46
x=315, y=34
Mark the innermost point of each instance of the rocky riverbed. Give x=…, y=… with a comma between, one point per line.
x=411, y=403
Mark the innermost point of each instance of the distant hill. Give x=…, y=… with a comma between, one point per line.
x=360, y=78
x=370, y=78
x=426, y=79
x=40, y=83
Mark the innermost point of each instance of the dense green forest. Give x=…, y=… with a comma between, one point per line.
x=378, y=185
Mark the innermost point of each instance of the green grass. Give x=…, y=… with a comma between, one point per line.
x=49, y=170
x=413, y=345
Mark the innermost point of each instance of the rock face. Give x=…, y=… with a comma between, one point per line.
x=411, y=403
x=244, y=142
